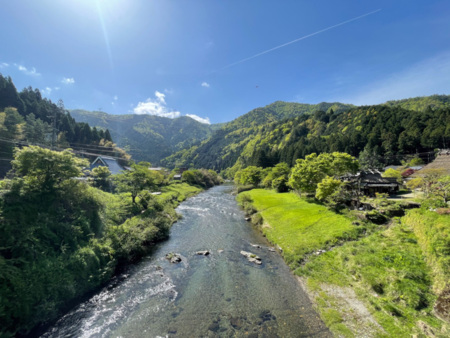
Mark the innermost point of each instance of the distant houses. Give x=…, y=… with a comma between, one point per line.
x=111, y=163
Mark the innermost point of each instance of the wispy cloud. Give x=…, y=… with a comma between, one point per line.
x=115, y=98
x=156, y=106
x=199, y=119
x=431, y=76
x=68, y=80
x=26, y=71
x=299, y=39
x=4, y=65
x=205, y=84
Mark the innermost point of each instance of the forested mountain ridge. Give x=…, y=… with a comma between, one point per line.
x=28, y=118
x=381, y=131
x=422, y=103
x=147, y=137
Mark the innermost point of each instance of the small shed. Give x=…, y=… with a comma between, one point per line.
x=177, y=177
x=109, y=162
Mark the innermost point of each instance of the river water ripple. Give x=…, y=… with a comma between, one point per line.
x=220, y=295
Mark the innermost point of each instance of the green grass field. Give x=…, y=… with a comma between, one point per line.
x=297, y=226
x=391, y=272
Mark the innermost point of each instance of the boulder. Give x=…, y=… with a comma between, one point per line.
x=252, y=258
x=203, y=253
x=173, y=257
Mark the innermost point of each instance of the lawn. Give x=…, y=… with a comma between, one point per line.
x=297, y=226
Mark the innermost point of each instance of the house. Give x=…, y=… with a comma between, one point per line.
x=177, y=177
x=441, y=163
x=369, y=182
x=109, y=162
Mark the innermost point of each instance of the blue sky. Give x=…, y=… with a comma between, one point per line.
x=194, y=57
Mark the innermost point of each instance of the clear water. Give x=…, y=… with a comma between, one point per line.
x=220, y=295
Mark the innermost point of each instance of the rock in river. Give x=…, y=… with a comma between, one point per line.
x=204, y=253
x=252, y=258
x=173, y=257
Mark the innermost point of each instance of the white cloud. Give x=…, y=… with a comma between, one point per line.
x=199, y=119
x=4, y=65
x=168, y=91
x=47, y=91
x=115, y=97
x=424, y=78
x=26, y=71
x=56, y=88
x=68, y=80
x=156, y=106
x=205, y=84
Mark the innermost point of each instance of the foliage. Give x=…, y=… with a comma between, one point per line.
x=393, y=173
x=307, y=173
x=277, y=177
x=441, y=188
x=249, y=176
x=284, y=132
x=161, y=135
x=60, y=237
x=102, y=178
x=44, y=169
x=329, y=189
x=137, y=179
x=202, y=177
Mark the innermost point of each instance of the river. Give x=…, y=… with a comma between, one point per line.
x=219, y=295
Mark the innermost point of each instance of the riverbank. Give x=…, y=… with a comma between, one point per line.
x=222, y=294
x=55, y=273
x=363, y=279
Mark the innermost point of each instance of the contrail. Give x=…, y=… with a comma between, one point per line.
x=299, y=39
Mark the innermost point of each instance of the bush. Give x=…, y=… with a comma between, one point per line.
x=376, y=217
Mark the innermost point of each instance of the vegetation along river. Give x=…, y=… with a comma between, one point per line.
x=219, y=295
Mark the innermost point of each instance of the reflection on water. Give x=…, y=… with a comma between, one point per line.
x=220, y=295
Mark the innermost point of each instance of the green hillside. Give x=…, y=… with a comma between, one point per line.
x=284, y=132
x=146, y=137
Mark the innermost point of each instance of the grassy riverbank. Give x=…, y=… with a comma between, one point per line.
x=57, y=247
x=297, y=226
x=373, y=285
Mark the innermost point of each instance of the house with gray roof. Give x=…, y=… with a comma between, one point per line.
x=109, y=162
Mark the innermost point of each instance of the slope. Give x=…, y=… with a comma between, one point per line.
x=146, y=137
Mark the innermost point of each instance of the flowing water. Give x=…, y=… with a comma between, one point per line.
x=220, y=295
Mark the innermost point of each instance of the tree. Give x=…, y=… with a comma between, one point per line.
x=249, y=176
x=368, y=159
x=45, y=169
x=136, y=179
x=394, y=174
x=327, y=187
x=277, y=177
x=442, y=188
x=102, y=178
x=307, y=173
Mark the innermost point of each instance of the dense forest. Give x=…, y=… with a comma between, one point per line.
x=27, y=118
x=380, y=134
x=161, y=136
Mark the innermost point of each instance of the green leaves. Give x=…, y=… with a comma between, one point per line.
x=44, y=168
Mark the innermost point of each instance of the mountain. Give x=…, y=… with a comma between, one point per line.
x=284, y=132
x=147, y=137
x=28, y=118
x=422, y=103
